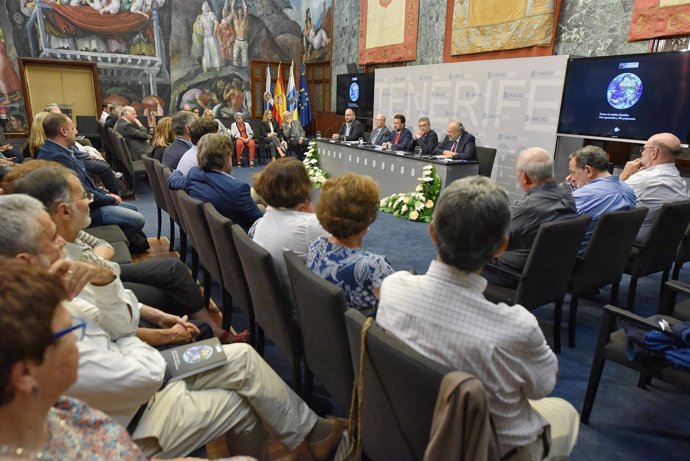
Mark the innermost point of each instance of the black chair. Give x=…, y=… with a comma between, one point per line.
x=604, y=259
x=271, y=306
x=173, y=211
x=130, y=168
x=230, y=267
x=88, y=127
x=116, y=238
x=658, y=252
x=486, y=157
x=156, y=188
x=186, y=227
x=613, y=346
x=545, y=276
x=263, y=150
x=167, y=200
x=400, y=389
x=321, y=306
x=682, y=255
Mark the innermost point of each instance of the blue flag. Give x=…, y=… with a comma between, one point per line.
x=304, y=103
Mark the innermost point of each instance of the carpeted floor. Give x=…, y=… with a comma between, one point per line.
x=626, y=422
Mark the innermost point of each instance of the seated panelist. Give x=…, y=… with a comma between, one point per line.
x=458, y=145
x=401, y=137
x=380, y=133
x=425, y=137
x=352, y=128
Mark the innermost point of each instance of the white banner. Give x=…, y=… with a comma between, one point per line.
x=508, y=104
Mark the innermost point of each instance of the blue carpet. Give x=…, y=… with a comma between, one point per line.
x=626, y=422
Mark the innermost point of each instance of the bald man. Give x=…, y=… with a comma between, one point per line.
x=655, y=178
x=352, y=128
x=136, y=135
x=380, y=133
x=544, y=201
x=458, y=145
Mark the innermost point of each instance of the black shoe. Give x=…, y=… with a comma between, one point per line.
x=128, y=194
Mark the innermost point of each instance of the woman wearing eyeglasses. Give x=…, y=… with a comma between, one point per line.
x=38, y=363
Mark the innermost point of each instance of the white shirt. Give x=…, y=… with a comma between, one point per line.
x=104, y=115
x=655, y=186
x=188, y=160
x=444, y=316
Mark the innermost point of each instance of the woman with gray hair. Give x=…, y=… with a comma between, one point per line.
x=293, y=133
x=242, y=133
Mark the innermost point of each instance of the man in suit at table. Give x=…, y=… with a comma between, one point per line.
x=425, y=137
x=458, y=145
x=352, y=128
x=380, y=133
x=401, y=137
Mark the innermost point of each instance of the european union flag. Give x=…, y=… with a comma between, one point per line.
x=304, y=103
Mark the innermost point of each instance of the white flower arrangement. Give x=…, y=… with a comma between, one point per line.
x=417, y=205
x=311, y=163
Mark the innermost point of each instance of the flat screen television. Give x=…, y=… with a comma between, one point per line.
x=629, y=97
x=356, y=92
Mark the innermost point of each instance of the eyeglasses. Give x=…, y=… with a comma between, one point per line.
x=77, y=329
x=644, y=148
x=87, y=196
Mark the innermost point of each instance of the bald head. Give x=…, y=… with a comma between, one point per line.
x=536, y=165
x=666, y=145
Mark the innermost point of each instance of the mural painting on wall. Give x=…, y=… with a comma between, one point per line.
x=318, y=30
x=159, y=55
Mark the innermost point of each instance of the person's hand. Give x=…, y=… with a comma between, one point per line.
x=178, y=334
x=448, y=153
x=117, y=198
x=6, y=161
x=418, y=134
x=631, y=167
x=336, y=136
x=5, y=148
x=74, y=274
x=169, y=321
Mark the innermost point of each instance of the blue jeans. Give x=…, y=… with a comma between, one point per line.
x=124, y=215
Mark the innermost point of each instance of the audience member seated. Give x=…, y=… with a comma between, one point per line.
x=112, y=117
x=655, y=178
x=444, y=316
x=197, y=129
x=37, y=136
x=274, y=135
x=401, y=137
x=39, y=357
x=208, y=115
x=425, y=137
x=346, y=208
x=352, y=128
x=9, y=152
x=162, y=137
x=598, y=191
x=181, y=122
x=289, y=223
x=105, y=111
x=380, y=134
x=243, y=399
x=294, y=135
x=243, y=135
x=165, y=283
x=544, y=201
x=211, y=182
x=105, y=208
x=135, y=134
x=458, y=144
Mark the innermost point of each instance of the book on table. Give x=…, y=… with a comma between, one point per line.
x=194, y=358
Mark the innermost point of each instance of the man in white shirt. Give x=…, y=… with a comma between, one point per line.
x=655, y=178
x=443, y=315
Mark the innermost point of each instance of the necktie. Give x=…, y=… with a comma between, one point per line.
x=347, y=129
x=454, y=146
x=397, y=137
x=373, y=140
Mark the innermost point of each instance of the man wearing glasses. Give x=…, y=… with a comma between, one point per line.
x=655, y=178
x=425, y=137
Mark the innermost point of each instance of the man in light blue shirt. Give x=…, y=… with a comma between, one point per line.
x=598, y=191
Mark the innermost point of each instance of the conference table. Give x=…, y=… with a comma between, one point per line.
x=395, y=171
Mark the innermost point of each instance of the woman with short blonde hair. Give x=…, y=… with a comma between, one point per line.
x=37, y=137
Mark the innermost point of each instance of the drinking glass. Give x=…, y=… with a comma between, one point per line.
x=318, y=135
x=418, y=151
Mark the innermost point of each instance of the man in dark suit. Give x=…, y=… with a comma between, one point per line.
x=136, y=135
x=401, y=137
x=352, y=128
x=181, y=122
x=425, y=137
x=380, y=133
x=111, y=119
x=458, y=145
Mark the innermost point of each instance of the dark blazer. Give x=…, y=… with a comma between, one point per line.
x=174, y=152
x=427, y=142
x=356, y=131
x=57, y=153
x=137, y=139
x=232, y=198
x=384, y=136
x=110, y=121
x=465, y=149
x=276, y=128
x=405, y=141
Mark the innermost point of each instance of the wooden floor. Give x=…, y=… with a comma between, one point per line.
x=218, y=448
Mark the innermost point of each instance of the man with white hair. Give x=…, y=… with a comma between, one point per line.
x=136, y=135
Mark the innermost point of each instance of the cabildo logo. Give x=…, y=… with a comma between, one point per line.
x=543, y=73
x=473, y=94
x=492, y=116
x=507, y=137
x=529, y=118
x=497, y=74
x=512, y=94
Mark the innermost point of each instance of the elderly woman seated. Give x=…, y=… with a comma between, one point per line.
x=242, y=133
x=211, y=182
x=347, y=206
x=289, y=223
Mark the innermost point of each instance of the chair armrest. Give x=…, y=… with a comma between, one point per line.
x=677, y=285
x=507, y=271
x=627, y=315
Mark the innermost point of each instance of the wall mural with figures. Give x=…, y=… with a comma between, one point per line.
x=160, y=55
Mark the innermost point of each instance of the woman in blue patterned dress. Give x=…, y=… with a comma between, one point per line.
x=346, y=208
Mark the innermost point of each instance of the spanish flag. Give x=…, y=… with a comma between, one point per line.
x=279, y=103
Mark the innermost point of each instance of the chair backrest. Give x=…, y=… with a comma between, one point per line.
x=258, y=129
x=658, y=252
x=271, y=307
x=550, y=262
x=400, y=389
x=683, y=254
x=107, y=142
x=121, y=150
x=607, y=251
x=87, y=124
x=321, y=306
x=231, y=266
x=486, y=156
x=149, y=164
x=163, y=173
x=182, y=214
x=202, y=240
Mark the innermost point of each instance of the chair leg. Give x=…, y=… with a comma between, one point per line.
x=572, y=319
x=260, y=339
x=160, y=223
x=631, y=293
x=597, y=367
x=207, y=288
x=664, y=279
x=308, y=384
x=614, y=294
x=557, y=315
x=172, y=235
x=253, y=339
x=644, y=380
x=183, y=246
x=195, y=264
x=227, y=309
x=297, y=375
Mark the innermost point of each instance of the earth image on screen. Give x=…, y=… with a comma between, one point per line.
x=624, y=91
